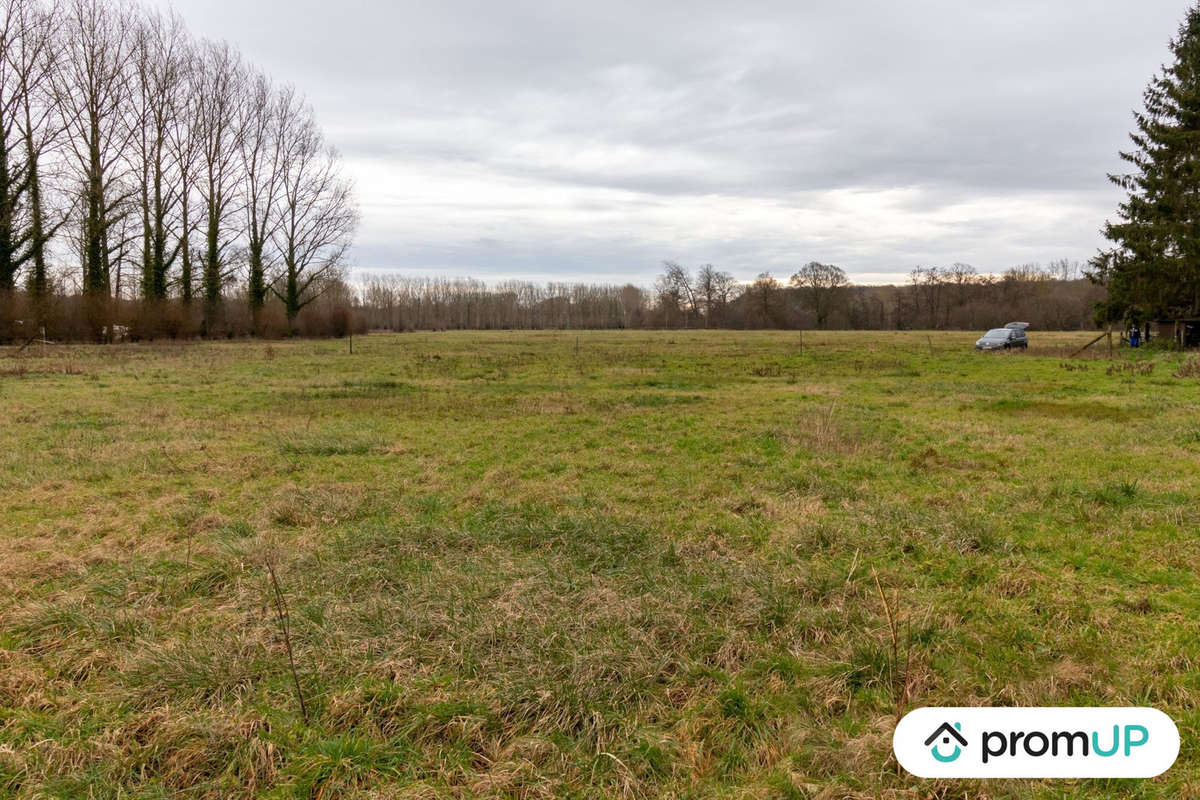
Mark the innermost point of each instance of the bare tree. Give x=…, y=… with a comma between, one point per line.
x=1064, y=269
x=820, y=285
x=155, y=158
x=964, y=279
x=317, y=216
x=92, y=88
x=29, y=124
x=222, y=92
x=162, y=60
x=764, y=297
x=42, y=128
x=380, y=294
x=184, y=148
x=632, y=302
x=713, y=290
x=676, y=294
x=264, y=122
x=12, y=167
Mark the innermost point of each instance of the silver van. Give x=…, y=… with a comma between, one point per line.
x=1010, y=336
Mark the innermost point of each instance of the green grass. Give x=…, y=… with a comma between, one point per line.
x=581, y=564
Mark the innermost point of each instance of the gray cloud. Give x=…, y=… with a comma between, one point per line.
x=590, y=140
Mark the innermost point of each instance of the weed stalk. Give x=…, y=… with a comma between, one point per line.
x=899, y=676
x=282, y=612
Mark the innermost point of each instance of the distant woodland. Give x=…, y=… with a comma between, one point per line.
x=817, y=296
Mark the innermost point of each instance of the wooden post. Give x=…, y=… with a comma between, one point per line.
x=1086, y=346
x=1110, y=342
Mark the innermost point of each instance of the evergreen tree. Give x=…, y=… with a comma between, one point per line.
x=1154, y=267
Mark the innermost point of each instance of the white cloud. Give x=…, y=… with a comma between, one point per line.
x=591, y=140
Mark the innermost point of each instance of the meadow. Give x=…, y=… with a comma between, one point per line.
x=684, y=564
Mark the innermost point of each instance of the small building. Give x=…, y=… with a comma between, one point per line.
x=1184, y=332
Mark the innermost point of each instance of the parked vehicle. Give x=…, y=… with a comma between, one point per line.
x=1010, y=336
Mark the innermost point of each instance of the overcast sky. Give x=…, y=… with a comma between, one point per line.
x=590, y=140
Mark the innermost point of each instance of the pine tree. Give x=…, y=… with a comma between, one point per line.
x=1154, y=267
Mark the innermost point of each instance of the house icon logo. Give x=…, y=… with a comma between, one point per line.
x=946, y=732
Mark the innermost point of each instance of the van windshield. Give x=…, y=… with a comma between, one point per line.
x=996, y=333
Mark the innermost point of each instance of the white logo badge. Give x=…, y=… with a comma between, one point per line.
x=1036, y=742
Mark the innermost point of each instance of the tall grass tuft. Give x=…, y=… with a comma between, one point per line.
x=281, y=611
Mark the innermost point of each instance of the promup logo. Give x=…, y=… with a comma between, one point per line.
x=1036, y=742
x=946, y=732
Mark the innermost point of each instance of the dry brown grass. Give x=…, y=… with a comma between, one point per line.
x=644, y=571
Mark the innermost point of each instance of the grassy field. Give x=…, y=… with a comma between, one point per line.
x=677, y=564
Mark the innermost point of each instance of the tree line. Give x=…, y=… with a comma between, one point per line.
x=154, y=182
x=816, y=296
x=1152, y=268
